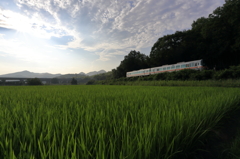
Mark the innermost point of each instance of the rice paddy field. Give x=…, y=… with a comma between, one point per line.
x=111, y=122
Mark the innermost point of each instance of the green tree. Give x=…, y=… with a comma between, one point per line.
x=34, y=81
x=215, y=39
x=177, y=47
x=54, y=81
x=90, y=82
x=221, y=33
x=74, y=81
x=2, y=82
x=133, y=61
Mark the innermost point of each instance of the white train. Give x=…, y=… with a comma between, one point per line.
x=196, y=65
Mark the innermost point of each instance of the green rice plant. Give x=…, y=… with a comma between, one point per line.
x=125, y=122
x=232, y=148
x=206, y=83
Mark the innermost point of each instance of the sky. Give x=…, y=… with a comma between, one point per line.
x=73, y=36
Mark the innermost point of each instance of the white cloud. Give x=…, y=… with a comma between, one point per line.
x=109, y=27
x=34, y=25
x=16, y=49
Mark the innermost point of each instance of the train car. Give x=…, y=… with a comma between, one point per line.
x=142, y=72
x=196, y=65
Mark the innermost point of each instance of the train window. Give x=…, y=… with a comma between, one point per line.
x=178, y=66
x=164, y=68
x=161, y=69
x=173, y=67
x=168, y=68
x=183, y=66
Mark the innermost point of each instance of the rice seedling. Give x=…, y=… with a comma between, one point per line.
x=97, y=122
x=203, y=83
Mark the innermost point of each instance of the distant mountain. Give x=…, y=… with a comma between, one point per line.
x=27, y=74
x=81, y=74
x=72, y=76
x=95, y=72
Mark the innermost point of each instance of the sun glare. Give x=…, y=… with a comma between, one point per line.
x=19, y=22
x=33, y=25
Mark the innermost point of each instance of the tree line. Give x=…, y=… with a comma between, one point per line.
x=215, y=39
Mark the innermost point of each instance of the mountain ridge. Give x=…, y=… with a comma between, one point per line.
x=28, y=74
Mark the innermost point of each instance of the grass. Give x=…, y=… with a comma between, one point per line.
x=98, y=122
x=203, y=83
x=233, y=148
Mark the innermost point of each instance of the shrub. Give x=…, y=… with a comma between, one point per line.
x=223, y=74
x=34, y=81
x=207, y=74
x=90, y=82
x=74, y=81
x=161, y=76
